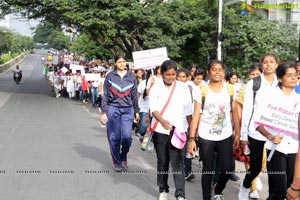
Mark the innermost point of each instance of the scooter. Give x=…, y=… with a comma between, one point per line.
x=17, y=76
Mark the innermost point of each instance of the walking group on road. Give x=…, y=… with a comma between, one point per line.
x=210, y=113
x=216, y=115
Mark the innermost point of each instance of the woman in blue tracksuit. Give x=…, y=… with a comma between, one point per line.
x=120, y=107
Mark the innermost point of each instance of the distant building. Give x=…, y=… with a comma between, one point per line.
x=286, y=11
x=19, y=24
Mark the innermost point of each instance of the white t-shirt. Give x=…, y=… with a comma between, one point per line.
x=248, y=105
x=143, y=102
x=178, y=108
x=289, y=143
x=50, y=76
x=95, y=84
x=57, y=82
x=215, y=123
x=237, y=87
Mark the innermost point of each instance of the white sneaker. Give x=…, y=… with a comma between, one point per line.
x=180, y=198
x=254, y=195
x=163, y=196
x=218, y=197
x=244, y=192
x=151, y=147
x=259, y=185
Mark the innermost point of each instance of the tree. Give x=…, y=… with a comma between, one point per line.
x=84, y=45
x=127, y=25
x=14, y=42
x=248, y=37
x=42, y=31
x=186, y=27
x=58, y=40
x=6, y=40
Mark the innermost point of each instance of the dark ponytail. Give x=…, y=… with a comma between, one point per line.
x=147, y=79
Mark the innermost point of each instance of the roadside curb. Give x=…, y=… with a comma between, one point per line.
x=4, y=67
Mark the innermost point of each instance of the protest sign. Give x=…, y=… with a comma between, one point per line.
x=279, y=116
x=148, y=59
x=64, y=70
x=92, y=77
x=74, y=68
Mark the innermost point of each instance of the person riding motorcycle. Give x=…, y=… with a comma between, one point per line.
x=17, y=74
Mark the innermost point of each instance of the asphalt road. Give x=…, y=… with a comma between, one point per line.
x=55, y=149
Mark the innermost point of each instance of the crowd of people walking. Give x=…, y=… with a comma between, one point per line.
x=217, y=113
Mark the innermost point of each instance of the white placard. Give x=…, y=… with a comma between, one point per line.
x=74, y=67
x=92, y=77
x=277, y=114
x=64, y=70
x=148, y=59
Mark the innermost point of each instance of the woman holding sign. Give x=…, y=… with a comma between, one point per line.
x=277, y=119
x=255, y=93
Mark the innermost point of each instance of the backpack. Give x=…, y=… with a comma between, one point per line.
x=204, y=91
x=255, y=88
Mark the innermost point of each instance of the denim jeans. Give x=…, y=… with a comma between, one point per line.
x=94, y=95
x=80, y=93
x=208, y=151
x=167, y=154
x=143, y=124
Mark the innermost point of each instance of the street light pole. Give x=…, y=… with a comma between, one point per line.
x=220, y=16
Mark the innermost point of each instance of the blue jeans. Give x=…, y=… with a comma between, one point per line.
x=80, y=93
x=143, y=124
x=94, y=95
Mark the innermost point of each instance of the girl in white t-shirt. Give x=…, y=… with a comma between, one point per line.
x=214, y=130
x=198, y=80
x=284, y=141
x=144, y=104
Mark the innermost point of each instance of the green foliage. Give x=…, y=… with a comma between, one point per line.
x=7, y=57
x=248, y=37
x=6, y=38
x=129, y=25
x=52, y=35
x=58, y=40
x=188, y=28
x=14, y=42
x=42, y=32
x=84, y=45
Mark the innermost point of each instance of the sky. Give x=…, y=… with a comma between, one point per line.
x=18, y=24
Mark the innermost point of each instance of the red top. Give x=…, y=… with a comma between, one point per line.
x=85, y=84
